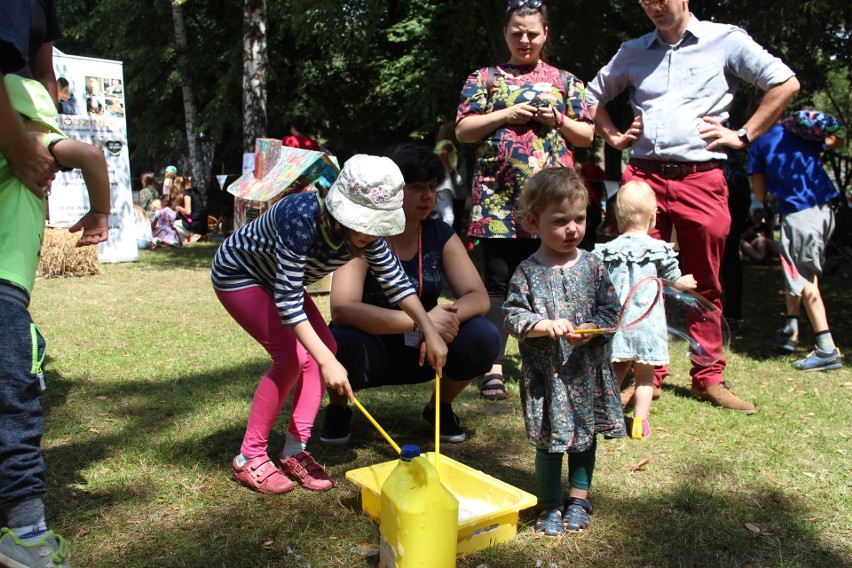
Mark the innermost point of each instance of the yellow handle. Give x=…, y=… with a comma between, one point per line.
x=376, y=424
x=593, y=330
x=437, y=418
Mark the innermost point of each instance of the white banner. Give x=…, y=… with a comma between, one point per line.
x=91, y=96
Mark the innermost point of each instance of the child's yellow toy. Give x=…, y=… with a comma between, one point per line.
x=488, y=508
x=419, y=515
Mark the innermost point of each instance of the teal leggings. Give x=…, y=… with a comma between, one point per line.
x=548, y=474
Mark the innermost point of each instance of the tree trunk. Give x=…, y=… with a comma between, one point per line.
x=190, y=111
x=493, y=14
x=254, y=72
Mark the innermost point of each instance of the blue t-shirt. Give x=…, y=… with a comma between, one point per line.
x=435, y=235
x=793, y=169
x=14, y=35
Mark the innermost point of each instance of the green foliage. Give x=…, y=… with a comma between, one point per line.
x=372, y=73
x=142, y=37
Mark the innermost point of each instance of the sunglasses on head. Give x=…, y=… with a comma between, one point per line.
x=515, y=4
x=658, y=4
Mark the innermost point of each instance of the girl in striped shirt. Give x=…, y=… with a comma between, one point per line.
x=259, y=275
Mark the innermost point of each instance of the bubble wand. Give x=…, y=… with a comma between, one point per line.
x=648, y=290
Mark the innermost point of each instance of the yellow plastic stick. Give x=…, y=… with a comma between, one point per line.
x=593, y=330
x=376, y=424
x=437, y=418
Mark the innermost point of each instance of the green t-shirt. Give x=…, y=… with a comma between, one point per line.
x=21, y=226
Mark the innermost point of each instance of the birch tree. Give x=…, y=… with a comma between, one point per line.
x=190, y=111
x=254, y=72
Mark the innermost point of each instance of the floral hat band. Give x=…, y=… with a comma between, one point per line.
x=812, y=125
x=367, y=196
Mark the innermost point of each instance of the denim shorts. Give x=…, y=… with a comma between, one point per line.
x=21, y=414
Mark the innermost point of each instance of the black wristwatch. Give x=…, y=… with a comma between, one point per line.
x=742, y=134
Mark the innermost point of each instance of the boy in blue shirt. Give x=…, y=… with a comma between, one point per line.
x=786, y=162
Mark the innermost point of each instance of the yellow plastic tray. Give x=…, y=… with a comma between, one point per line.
x=474, y=534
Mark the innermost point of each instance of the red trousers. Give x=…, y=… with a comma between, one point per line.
x=696, y=206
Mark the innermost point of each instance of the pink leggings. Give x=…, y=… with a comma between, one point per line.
x=254, y=309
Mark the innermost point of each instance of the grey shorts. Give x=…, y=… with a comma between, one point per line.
x=804, y=236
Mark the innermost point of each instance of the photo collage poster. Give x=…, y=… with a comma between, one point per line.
x=92, y=109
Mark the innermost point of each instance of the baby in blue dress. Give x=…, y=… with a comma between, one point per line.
x=630, y=258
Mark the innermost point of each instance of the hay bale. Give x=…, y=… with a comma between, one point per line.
x=59, y=256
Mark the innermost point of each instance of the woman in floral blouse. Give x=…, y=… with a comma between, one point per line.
x=526, y=115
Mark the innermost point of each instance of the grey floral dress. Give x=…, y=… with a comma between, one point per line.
x=569, y=394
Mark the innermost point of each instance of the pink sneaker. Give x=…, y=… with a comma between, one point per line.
x=307, y=472
x=262, y=475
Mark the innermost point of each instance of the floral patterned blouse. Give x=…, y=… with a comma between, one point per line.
x=569, y=394
x=514, y=152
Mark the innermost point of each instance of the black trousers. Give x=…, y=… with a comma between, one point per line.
x=501, y=258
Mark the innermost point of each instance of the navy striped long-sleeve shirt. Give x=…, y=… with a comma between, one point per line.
x=285, y=249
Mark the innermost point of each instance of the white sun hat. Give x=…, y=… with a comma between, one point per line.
x=367, y=196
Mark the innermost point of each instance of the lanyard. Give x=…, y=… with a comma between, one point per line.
x=419, y=261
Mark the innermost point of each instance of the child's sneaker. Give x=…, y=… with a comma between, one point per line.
x=307, y=472
x=48, y=552
x=576, y=517
x=262, y=475
x=785, y=340
x=640, y=429
x=820, y=361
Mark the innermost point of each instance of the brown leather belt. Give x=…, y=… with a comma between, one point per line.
x=674, y=170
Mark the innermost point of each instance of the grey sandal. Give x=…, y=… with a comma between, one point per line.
x=549, y=523
x=577, y=513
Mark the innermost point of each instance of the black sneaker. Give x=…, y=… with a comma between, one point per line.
x=451, y=430
x=786, y=341
x=336, y=425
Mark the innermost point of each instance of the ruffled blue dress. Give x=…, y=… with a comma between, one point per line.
x=629, y=259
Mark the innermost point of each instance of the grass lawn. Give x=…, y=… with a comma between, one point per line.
x=150, y=382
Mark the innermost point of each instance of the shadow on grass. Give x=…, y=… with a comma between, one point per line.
x=693, y=524
x=696, y=525
x=145, y=409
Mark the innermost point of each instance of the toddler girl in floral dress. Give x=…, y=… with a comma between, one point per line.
x=568, y=387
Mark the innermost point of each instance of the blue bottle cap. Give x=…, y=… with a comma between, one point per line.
x=409, y=452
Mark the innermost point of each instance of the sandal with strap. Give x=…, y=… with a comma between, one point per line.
x=549, y=523
x=576, y=518
x=492, y=387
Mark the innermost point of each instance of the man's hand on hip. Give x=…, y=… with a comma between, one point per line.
x=717, y=135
